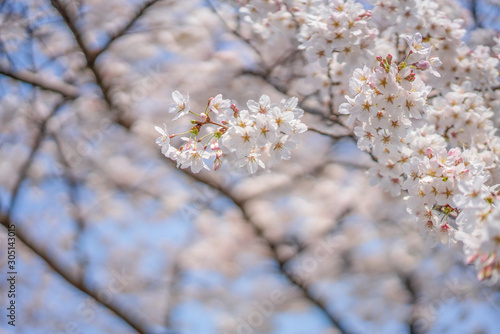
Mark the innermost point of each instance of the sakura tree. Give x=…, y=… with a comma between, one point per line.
x=250, y=166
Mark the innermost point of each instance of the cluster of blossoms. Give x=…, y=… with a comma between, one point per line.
x=417, y=147
x=462, y=117
x=444, y=154
x=427, y=17
x=398, y=15
x=444, y=33
x=436, y=22
x=479, y=222
x=340, y=27
x=448, y=195
x=432, y=183
x=387, y=99
x=344, y=34
x=240, y=138
x=477, y=66
x=271, y=20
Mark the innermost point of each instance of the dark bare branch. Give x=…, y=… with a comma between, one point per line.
x=69, y=277
x=73, y=194
x=240, y=204
x=409, y=283
x=235, y=32
x=175, y=275
x=120, y=33
x=66, y=90
x=34, y=149
x=331, y=135
x=273, y=249
x=119, y=115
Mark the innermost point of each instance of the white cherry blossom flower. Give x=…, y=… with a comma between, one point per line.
x=194, y=157
x=416, y=45
x=282, y=148
x=218, y=105
x=164, y=139
x=181, y=105
x=262, y=107
x=252, y=162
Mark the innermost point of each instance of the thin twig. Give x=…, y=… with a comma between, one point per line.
x=235, y=32
x=26, y=166
x=90, y=57
x=120, y=33
x=73, y=195
x=331, y=135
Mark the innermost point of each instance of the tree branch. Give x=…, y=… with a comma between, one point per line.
x=74, y=281
x=474, y=8
x=26, y=166
x=235, y=32
x=331, y=135
x=175, y=274
x=66, y=90
x=266, y=77
x=120, y=33
x=273, y=248
x=73, y=194
x=90, y=57
x=409, y=283
x=240, y=204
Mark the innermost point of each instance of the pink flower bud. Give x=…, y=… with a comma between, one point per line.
x=429, y=152
x=472, y=258
x=214, y=146
x=367, y=14
x=445, y=228
x=410, y=77
x=422, y=65
x=217, y=164
x=203, y=118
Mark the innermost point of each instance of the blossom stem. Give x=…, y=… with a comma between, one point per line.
x=208, y=134
x=215, y=123
x=194, y=113
x=179, y=134
x=409, y=54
